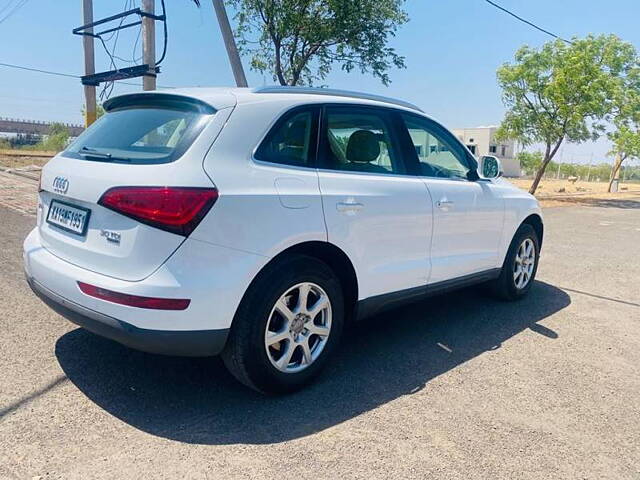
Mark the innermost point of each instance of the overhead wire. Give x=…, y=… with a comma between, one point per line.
x=18, y=6
x=166, y=33
x=490, y=2
x=6, y=6
x=107, y=88
x=61, y=74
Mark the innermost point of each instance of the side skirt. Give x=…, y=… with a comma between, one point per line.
x=380, y=303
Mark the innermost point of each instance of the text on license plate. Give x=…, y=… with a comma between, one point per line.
x=68, y=217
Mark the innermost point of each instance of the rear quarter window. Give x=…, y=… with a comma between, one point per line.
x=292, y=141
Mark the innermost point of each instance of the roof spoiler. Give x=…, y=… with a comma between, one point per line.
x=163, y=100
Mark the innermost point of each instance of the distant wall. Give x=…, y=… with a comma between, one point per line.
x=511, y=167
x=31, y=127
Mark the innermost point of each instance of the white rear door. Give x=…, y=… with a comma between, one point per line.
x=375, y=211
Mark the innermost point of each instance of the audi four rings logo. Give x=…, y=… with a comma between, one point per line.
x=60, y=185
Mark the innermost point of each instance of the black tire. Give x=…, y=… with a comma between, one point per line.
x=245, y=355
x=504, y=287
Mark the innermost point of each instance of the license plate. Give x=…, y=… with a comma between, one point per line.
x=69, y=218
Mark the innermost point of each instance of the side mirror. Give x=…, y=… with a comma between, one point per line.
x=490, y=167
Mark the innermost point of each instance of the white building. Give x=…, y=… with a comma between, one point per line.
x=481, y=141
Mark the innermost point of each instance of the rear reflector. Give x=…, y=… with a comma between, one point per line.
x=174, y=209
x=134, y=300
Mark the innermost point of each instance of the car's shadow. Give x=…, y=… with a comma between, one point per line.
x=395, y=354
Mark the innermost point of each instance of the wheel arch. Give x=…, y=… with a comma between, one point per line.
x=535, y=221
x=335, y=258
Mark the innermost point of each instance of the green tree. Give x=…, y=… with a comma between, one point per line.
x=57, y=138
x=529, y=161
x=298, y=41
x=562, y=92
x=99, y=111
x=626, y=136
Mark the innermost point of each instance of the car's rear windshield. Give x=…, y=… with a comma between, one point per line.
x=142, y=134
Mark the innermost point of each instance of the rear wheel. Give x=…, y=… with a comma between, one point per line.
x=520, y=265
x=287, y=326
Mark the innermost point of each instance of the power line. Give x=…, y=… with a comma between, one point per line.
x=6, y=6
x=14, y=10
x=527, y=22
x=60, y=74
x=166, y=33
x=30, y=69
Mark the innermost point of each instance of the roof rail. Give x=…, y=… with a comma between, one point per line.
x=336, y=93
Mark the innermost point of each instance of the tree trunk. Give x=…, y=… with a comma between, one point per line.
x=279, y=73
x=540, y=173
x=548, y=155
x=615, y=170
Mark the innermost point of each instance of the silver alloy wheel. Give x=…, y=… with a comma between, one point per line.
x=298, y=327
x=524, y=264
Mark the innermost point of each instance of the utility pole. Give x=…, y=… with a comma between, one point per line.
x=89, y=64
x=149, y=45
x=230, y=43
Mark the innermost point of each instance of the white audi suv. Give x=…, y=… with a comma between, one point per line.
x=258, y=223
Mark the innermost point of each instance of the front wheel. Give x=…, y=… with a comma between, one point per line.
x=287, y=326
x=520, y=265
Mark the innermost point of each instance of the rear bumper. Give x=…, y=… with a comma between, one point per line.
x=195, y=343
x=214, y=278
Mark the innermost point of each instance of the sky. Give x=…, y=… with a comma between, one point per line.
x=452, y=50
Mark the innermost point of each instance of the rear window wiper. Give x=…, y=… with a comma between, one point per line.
x=93, y=153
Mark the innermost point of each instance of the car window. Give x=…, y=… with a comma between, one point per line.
x=137, y=135
x=438, y=155
x=291, y=141
x=359, y=140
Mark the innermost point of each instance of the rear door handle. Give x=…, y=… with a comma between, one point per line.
x=349, y=207
x=444, y=204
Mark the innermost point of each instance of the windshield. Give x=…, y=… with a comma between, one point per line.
x=141, y=135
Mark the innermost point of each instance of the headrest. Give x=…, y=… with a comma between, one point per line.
x=296, y=133
x=363, y=147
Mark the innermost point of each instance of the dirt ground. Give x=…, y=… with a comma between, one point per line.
x=555, y=187
x=561, y=193
x=22, y=162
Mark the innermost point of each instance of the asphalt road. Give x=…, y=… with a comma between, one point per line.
x=459, y=386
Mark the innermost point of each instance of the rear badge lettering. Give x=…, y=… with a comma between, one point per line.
x=113, y=237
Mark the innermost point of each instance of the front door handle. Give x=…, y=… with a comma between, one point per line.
x=349, y=207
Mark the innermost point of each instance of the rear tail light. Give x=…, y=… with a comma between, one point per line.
x=134, y=300
x=174, y=209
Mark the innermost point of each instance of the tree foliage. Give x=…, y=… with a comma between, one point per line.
x=563, y=91
x=56, y=140
x=298, y=41
x=626, y=119
x=99, y=111
x=529, y=161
